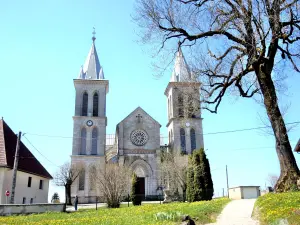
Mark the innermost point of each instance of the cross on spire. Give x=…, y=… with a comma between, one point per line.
x=139, y=117
x=94, y=32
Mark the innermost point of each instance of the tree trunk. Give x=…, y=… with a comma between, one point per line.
x=289, y=171
x=68, y=194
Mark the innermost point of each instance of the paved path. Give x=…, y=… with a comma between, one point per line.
x=237, y=212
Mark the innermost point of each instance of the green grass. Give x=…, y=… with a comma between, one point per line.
x=274, y=207
x=205, y=212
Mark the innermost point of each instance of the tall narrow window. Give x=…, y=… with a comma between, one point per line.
x=171, y=109
x=95, y=104
x=193, y=139
x=168, y=108
x=190, y=107
x=84, y=104
x=29, y=182
x=94, y=141
x=182, y=140
x=169, y=137
x=83, y=142
x=180, y=105
x=81, y=180
x=92, y=174
x=41, y=184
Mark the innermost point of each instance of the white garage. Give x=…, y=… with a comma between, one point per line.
x=244, y=192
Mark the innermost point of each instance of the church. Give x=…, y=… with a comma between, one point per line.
x=137, y=138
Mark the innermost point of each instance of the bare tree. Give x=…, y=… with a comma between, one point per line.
x=65, y=176
x=110, y=181
x=173, y=171
x=272, y=180
x=240, y=45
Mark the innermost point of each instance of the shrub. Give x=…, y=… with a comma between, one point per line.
x=135, y=198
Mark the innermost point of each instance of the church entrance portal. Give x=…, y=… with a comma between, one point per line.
x=141, y=187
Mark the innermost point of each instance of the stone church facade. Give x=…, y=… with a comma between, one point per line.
x=137, y=141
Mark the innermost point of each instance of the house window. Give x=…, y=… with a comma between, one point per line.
x=81, y=180
x=29, y=182
x=193, y=139
x=95, y=104
x=83, y=142
x=182, y=140
x=84, y=104
x=31, y=200
x=41, y=184
x=24, y=200
x=94, y=141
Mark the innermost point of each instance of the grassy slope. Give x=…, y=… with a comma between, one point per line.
x=204, y=211
x=274, y=207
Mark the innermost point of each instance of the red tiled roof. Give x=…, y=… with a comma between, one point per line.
x=297, y=148
x=27, y=162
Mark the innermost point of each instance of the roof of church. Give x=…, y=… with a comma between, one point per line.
x=297, y=148
x=137, y=109
x=27, y=162
x=181, y=71
x=92, y=68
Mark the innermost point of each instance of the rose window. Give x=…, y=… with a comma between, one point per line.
x=139, y=137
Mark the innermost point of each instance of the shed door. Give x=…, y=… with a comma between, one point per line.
x=250, y=193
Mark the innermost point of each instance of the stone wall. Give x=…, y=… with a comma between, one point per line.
x=9, y=209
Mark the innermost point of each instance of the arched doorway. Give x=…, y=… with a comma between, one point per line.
x=143, y=171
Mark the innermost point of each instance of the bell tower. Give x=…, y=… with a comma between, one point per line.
x=89, y=122
x=185, y=130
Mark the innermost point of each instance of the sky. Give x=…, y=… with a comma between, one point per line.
x=44, y=44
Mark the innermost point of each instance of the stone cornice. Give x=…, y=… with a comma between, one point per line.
x=181, y=84
x=138, y=151
x=89, y=82
x=87, y=156
x=182, y=119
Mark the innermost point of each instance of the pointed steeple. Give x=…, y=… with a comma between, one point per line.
x=181, y=71
x=92, y=67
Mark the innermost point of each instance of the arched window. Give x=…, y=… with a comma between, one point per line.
x=190, y=107
x=83, y=142
x=95, y=104
x=180, y=105
x=94, y=141
x=171, y=109
x=193, y=139
x=168, y=108
x=182, y=140
x=81, y=178
x=84, y=104
x=92, y=175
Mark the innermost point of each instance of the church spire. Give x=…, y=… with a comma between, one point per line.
x=92, y=68
x=181, y=71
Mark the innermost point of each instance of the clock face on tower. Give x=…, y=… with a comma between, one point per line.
x=89, y=123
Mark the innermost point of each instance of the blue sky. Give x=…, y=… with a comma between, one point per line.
x=43, y=45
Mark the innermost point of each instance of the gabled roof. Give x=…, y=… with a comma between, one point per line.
x=143, y=111
x=27, y=162
x=181, y=71
x=297, y=147
x=92, y=68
